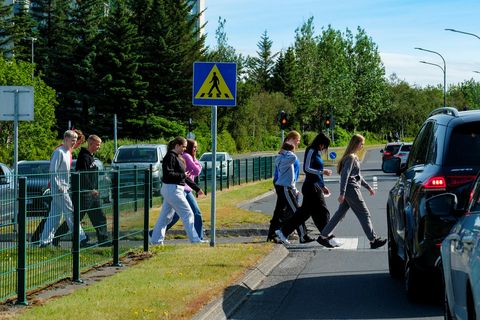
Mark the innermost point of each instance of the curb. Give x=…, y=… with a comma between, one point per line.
x=224, y=306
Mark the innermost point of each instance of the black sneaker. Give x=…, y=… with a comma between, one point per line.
x=306, y=239
x=324, y=242
x=377, y=243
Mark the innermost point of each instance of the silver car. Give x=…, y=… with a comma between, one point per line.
x=7, y=195
x=460, y=254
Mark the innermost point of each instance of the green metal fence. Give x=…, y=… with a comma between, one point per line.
x=27, y=263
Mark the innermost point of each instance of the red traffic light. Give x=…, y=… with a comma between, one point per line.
x=327, y=123
x=283, y=120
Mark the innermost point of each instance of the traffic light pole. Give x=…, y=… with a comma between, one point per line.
x=283, y=137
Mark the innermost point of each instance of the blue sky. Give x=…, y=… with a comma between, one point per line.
x=396, y=27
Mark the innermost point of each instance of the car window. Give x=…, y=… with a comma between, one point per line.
x=406, y=148
x=33, y=168
x=392, y=148
x=206, y=157
x=419, y=152
x=464, y=146
x=137, y=155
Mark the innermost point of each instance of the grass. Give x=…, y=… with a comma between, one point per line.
x=177, y=281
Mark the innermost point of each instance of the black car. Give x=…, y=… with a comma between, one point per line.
x=38, y=177
x=445, y=157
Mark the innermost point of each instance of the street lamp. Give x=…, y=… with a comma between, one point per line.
x=458, y=31
x=33, y=39
x=444, y=69
x=476, y=71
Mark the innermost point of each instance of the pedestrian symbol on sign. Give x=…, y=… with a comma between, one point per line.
x=214, y=84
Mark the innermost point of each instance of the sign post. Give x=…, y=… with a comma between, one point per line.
x=214, y=84
x=16, y=104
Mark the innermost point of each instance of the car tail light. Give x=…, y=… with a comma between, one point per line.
x=435, y=183
x=401, y=155
x=455, y=181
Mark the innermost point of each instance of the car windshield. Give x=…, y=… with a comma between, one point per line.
x=464, y=147
x=393, y=148
x=406, y=148
x=33, y=168
x=208, y=157
x=137, y=155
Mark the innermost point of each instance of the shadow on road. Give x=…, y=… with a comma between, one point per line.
x=352, y=296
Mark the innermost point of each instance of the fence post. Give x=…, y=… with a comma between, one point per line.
x=76, y=227
x=150, y=188
x=221, y=176
x=116, y=219
x=271, y=166
x=135, y=188
x=246, y=170
x=265, y=168
x=253, y=169
x=228, y=174
x=205, y=178
x=146, y=208
x=22, y=243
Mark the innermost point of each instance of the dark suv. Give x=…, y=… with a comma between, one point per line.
x=445, y=157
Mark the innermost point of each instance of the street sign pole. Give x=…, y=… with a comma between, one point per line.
x=214, y=176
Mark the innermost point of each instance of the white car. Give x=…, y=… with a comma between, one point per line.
x=403, y=152
x=223, y=163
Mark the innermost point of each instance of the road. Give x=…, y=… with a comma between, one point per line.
x=350, y=282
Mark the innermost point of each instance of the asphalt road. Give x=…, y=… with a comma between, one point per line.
x=350, y=282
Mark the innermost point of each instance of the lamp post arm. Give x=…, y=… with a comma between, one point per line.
x=458, y=31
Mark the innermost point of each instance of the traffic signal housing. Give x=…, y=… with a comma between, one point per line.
x=283, y=120
x=328, y=122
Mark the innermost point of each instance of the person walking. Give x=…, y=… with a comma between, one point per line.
x=351, y=197
x=90, y=194
x=194, y=167
x=61, y=204
x=173, y=192
x=314, y=191
x=286, y=205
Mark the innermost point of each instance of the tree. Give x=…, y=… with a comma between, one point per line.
x=22, y=31
x=37, y=137
x=283, y=73
x=261, y=67
x=121, y=88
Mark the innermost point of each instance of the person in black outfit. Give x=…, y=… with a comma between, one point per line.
x=313, y=190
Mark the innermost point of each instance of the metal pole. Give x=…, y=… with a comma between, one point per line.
x=115, y=133
x=15, y=154
x=444, y=73
x=214, y=175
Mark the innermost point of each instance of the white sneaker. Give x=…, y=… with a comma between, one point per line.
x=281, y=236
x=335, y=243
x=201, y=241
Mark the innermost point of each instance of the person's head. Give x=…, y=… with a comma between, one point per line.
x=94, y=143
x=293, y=137
x=179, y=145
x=69, y=138
x=355, y=145
x=288, y=146
x=320, y=142
x=80, y=138
x=191, y=147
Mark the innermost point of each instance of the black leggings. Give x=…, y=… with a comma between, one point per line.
x=313, y=205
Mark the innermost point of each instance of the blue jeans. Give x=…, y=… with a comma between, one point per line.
x=197, y=215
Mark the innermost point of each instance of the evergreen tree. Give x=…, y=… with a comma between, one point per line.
x=6, y=29
x=283, y=73
x=261, y=69
x=121, y=87
x=22, y=31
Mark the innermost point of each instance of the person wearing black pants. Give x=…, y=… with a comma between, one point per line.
x=313, y=189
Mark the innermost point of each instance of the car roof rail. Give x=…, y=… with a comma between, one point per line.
x=446, y=110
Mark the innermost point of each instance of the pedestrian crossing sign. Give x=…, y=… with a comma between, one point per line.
x=214, y=84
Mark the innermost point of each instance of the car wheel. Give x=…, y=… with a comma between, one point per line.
x=413, y=282
x=396, y=266
x=447, y=315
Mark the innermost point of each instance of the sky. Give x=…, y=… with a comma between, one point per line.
x=395, y=26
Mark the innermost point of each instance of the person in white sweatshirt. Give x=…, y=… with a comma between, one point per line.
x=61, y=205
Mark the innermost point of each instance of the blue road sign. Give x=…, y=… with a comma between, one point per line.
x=333, y=155
x=214, y=84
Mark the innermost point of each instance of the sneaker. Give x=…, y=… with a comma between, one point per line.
x=201, y=241
x=324, y=242
x=377, y=243
x=334, y=242
x=282, y=237
x=306, y=239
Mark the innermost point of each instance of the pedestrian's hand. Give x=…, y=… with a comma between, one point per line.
x=327, y=172
x=95, y=193
x=341, y=198
x=326, y=192
x=372, y=192
x=200, y=194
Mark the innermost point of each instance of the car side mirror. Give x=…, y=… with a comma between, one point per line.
x=381, y=150
x=391, y=165
x=441, y=205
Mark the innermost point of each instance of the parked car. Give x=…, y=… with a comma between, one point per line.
x=139, y=156
x=38, y=178
x=444, y=158
x=223, y=163
x=390, y=150
x=460, y=252
x=104, y=180
x=7, y=195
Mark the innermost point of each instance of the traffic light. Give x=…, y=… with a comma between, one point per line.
x=328, y=122
x=283, y=120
